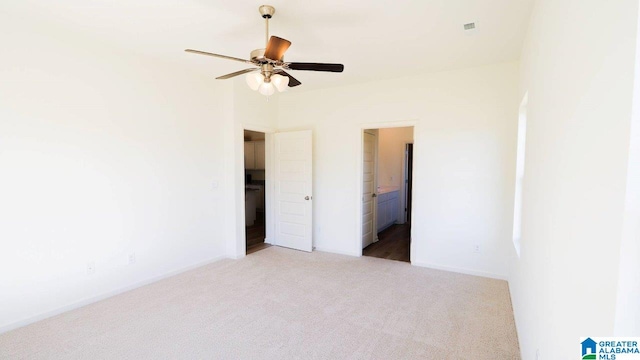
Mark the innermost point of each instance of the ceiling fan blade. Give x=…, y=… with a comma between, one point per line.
x=316, y=67
x=217, y=55
x=228, y=76
x=292, y=81
x=276, y=47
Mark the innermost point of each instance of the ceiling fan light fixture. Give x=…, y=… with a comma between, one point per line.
x=280, y=82
x=254, y=80
x=267, y=89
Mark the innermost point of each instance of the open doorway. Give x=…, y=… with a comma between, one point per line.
x=254, y=190
x=387, y=193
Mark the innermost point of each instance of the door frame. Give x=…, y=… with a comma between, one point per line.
x=407, y=182
x=357, y=243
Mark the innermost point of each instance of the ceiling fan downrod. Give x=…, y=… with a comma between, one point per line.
x=267, y=12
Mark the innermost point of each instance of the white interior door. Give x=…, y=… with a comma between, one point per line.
x=293, y=196
x=368, y=189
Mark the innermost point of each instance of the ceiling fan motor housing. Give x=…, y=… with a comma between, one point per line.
x=257, y=55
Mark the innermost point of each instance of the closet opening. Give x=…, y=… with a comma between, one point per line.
x=254, y=191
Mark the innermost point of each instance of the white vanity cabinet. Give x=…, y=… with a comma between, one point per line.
x=388, y=208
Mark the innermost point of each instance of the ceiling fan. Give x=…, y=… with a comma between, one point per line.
x=268, y=73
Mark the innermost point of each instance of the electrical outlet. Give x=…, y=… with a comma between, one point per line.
x=132, y=258
x=91, y=268
x=476, y=248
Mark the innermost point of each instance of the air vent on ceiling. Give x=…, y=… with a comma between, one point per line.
x=470, y=28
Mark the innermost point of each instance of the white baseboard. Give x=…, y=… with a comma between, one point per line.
x=321, y=249
x=461, y=270
x=108, y=294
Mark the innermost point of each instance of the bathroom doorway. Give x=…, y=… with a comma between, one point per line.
x=387, y=186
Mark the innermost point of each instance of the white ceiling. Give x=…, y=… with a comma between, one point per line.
x=373, y=39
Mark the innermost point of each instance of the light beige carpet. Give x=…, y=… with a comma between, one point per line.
x=285, y=304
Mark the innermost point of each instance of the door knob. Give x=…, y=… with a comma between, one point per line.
x=306, y=198
x=374, y=195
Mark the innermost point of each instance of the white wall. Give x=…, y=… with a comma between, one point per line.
x=102, y=153
x=391, y=148
x=391, y=161
x=464, y=146
x=577, y=67
x=628, y=301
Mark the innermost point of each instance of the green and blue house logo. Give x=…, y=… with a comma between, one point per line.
x=588, y=349
x=610, y=348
